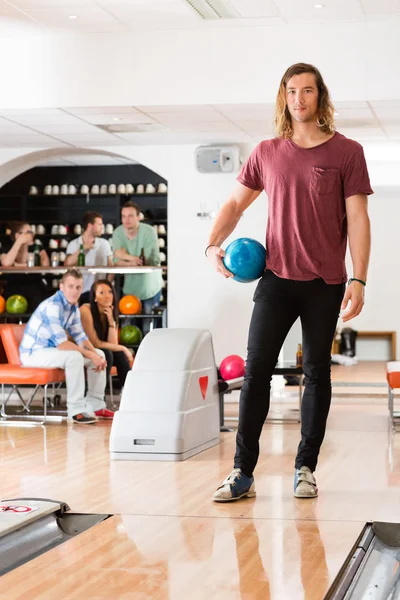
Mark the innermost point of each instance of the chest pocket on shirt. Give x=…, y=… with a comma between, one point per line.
x=324, y=181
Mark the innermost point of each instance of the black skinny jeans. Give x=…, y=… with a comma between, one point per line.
x=120, y=360
x=278, y=303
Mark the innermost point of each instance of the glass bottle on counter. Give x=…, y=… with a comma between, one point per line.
x=299, y=356
x=142, y=257
x=81, y=257
x=36, y=255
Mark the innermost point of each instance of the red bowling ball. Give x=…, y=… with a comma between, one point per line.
x=232, y=367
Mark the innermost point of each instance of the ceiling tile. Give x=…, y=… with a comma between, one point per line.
x=187, y=108
x=185, y=138
x=13, y=142
x=59, y=17
x=356, y=104
x=152, y=12
x=255, y=8
x=44, y=119
x=101, y=110
x=14, y=22
x=330, y=7
x=113, y=119
x=359, y=134
x=171, y=119
x=101, y=139
x=373, y=7
x=54, y=4
x=354, y=114
x=8, y=127
x=12, y=112
x=385, y=103
x=78, y=127
x=218, y=126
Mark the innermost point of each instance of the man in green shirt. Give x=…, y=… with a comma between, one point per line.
x=128, y=242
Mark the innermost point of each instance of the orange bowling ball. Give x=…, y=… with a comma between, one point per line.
x=130, y=305
x=2, y=305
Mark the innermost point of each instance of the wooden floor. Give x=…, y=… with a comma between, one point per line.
x=167, y=540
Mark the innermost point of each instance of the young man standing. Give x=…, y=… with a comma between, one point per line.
x=97, y=250
x=317, y=185
x=45, y=344
x=129, y=239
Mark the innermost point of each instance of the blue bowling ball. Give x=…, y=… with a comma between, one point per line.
x=245, y=258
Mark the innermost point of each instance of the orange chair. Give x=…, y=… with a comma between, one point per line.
x=14, y=374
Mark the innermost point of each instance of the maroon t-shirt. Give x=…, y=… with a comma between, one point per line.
x=306, y=189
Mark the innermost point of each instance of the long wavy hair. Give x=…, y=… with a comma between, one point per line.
x=101, y=331
x=326, y=111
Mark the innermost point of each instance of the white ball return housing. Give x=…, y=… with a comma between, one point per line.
x=169, y=407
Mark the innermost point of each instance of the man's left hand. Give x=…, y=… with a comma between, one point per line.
x=355, y=295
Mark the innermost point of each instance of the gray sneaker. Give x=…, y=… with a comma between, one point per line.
x=237, y=485
x=305, y=485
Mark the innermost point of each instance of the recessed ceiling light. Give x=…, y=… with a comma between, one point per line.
x=117, y=119
x=319, y=5
x=336, y=113
x=73, y=16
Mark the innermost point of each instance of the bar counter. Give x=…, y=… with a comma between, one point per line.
x=94, y=270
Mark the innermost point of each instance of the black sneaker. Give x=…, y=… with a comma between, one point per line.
x=83, y=419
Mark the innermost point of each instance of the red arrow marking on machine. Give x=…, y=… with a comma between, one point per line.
x=203, y=381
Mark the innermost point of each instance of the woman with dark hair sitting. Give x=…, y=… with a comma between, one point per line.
x=100, y=322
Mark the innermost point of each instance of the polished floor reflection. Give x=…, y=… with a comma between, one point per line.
x=169, y=541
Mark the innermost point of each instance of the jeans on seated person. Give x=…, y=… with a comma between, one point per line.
x=74, y=365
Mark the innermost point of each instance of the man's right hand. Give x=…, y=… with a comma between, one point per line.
x=215, y=255
x=99, y=363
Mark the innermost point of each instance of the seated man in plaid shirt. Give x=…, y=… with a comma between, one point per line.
x=45, y=344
